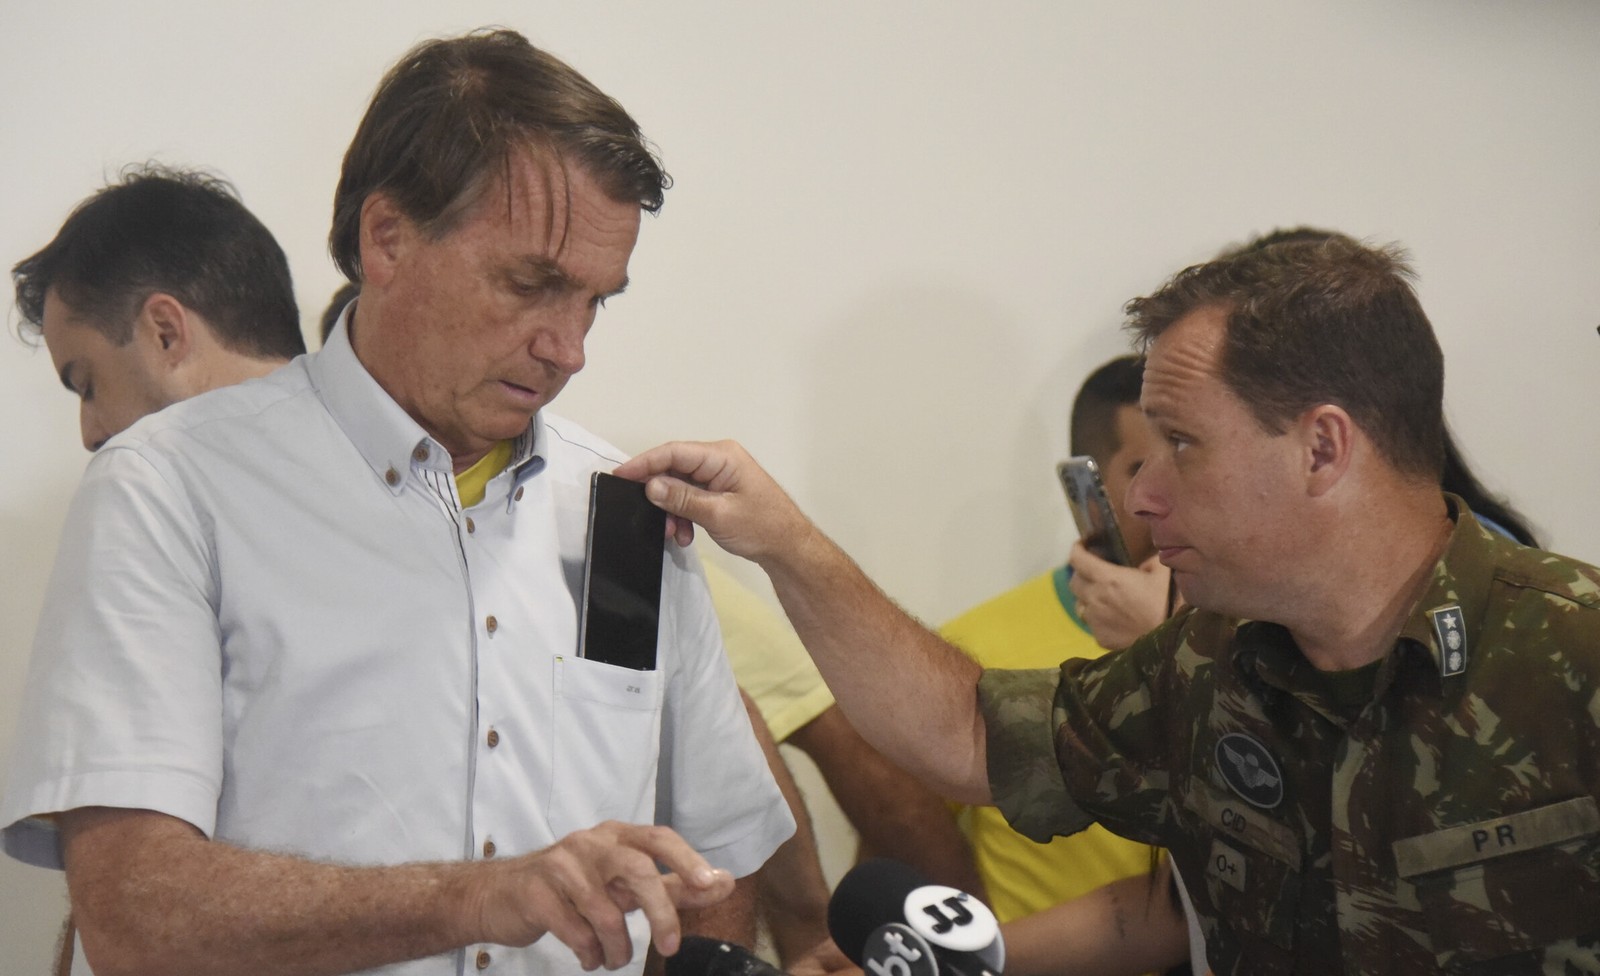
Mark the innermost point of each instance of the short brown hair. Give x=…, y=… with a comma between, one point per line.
x=453, y=112
x=1331, y=321
x=179, y=231
x=1114, y=385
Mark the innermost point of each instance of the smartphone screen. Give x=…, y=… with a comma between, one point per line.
x=1091, y=509
x=621, y=575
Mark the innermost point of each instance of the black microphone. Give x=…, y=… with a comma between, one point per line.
x=698, y=955
x=891, y=921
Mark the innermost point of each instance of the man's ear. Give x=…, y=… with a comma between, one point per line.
x=167, y=328
x=1328, y=438
x=386, y=233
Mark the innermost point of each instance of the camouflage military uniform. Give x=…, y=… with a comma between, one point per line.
x=1446, y=822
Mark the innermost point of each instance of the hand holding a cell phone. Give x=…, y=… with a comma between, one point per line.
x=1119, y=604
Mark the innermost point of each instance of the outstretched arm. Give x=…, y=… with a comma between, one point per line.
x=910, y=694
x=151, y=894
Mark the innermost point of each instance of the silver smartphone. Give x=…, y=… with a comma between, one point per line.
x=1091, y=509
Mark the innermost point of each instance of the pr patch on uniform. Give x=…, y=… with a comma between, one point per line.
x=1249, y=769
x=1451, y=629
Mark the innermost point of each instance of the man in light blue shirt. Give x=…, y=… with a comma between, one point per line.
x=304, y=696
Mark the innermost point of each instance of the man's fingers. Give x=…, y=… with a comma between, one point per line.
x=1085, y=563
x=659, y=907
x=575, y=932
x=712, y=465
x=690, y=882
x=580, y=890
x=715, y=511
x=677, y=497
x=680, y=530
x=608, y=923
x=674, y=474
x=700, y=895
x=666, y=847
x=679, y=457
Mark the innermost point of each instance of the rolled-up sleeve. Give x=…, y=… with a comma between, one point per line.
x=1020, y=719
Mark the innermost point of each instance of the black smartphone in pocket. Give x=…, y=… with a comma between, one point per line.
x=1091, y=509
x=621, y=606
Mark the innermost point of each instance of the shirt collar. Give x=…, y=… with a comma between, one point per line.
x=1461, y=581
x=530, y=449
x=393, y=444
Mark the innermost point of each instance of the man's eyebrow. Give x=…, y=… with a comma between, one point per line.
x=541, y=265
x=551, y=270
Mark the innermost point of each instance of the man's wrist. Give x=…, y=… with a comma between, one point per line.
x=803, y=551
x=467, y=895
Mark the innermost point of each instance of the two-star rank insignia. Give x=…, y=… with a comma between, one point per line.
x=1451, y=629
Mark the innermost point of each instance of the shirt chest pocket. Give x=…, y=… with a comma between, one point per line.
x=1516, y=884
x=1252, y=867
x=607, y=740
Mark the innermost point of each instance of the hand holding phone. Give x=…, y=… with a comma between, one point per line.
x=1091, y=509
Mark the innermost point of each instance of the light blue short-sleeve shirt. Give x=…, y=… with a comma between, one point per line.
x=270, y=617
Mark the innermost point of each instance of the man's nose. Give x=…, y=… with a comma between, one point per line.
x=561, y=343
x=1142, y=499
x=93, y=432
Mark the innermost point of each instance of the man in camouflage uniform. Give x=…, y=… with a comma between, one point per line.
x=1373, y=743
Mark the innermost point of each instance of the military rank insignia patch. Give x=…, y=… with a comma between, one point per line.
x=1249, y=769
x=1451, y=629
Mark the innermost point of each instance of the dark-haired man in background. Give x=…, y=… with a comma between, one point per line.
x=304, y=698
x=1370, y=742
x=156, y=288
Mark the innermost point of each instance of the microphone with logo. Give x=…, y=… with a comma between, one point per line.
x=891, y=921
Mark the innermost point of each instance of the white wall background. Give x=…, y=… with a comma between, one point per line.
x=901, y=232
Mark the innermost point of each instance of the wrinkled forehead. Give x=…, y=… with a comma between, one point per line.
x=1184, y=361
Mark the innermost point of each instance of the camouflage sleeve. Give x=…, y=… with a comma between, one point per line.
x=1123, y=722
x=1024, y=778
x=1087, y=742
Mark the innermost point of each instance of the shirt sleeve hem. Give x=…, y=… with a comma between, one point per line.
x=1025, y=778
x=32, y=837
x=745, y=855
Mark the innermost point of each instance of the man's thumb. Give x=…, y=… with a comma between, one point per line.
x=677, y=497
